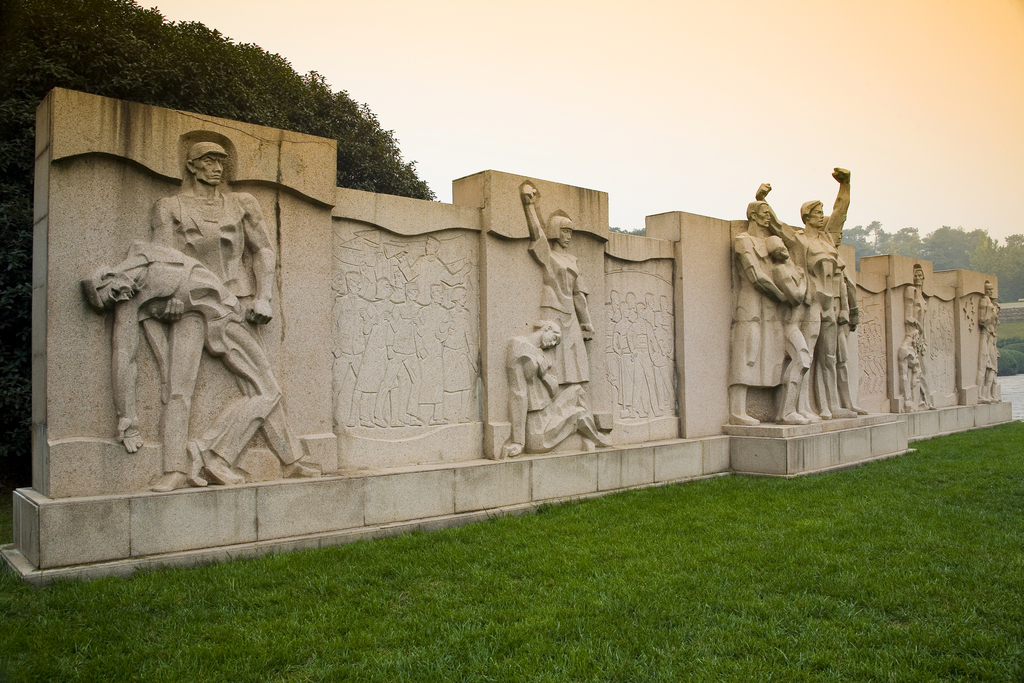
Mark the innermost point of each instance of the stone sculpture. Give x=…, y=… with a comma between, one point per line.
x=846, y=324
x=756, y=339
x=792, y=308
x=200, y=236
x=406, y=353
x=150, y=285
x=792, y=282
x=543, y=411
x=988, y=352
x=564, y=297
x=913, y=352
x=825, y=304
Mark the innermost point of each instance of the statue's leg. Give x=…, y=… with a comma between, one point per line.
x=811, y=329
x=187, y=337
x=738, y=406
x=793, y=376
x=827, y=343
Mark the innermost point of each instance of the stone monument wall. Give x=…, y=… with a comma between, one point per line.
x=230, y=352
x=101, y=167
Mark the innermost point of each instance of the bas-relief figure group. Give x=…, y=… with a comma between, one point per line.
x=189, y=290
x=548, y=368
x=406, y=343
x=795, y=308
x=406, y=349
x=639, y=348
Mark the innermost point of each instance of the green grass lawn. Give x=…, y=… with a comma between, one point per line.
x=910, y=569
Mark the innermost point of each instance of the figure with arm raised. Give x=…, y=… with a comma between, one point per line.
x=813, y=250
x=564, y=296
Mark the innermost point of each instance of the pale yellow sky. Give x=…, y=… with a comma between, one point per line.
x=685, y=105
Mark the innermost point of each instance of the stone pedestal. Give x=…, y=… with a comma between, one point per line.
x=788, y=451
x=94, y=536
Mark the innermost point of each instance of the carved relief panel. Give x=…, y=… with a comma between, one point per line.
x=639, y=341
x=942, y=351
x=406, y=336
x=873, y=394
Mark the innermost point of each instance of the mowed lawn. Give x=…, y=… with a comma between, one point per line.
x=911, y=569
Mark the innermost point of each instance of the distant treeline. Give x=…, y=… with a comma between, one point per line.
x=948, y=248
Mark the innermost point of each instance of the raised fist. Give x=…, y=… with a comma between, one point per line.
x=763, y=191
x=841, y=174
x=528, y=193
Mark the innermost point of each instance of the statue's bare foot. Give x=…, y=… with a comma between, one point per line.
x=859, y=410
x=744, y=420
x=795, y=418
x=194, y=476
x=812, y=418
x=511, y=450
x=169, y=481
x=842, y=414
x=220, y=472
x=297, y=470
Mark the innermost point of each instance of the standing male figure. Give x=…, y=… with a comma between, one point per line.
x=988, y=352
x=914, y=375
x=216, y=227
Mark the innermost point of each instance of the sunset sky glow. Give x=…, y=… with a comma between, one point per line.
x=684, y=105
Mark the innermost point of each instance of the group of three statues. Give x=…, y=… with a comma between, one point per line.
x=795, y=308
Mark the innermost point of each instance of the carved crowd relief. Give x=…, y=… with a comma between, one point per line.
x=871, y=349
x=547, y=369
x=189, y=289
x=942, y=347
x=794, y=309
x=405, y=329
x=640, y=339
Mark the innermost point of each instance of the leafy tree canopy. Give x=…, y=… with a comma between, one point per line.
x=117, y=49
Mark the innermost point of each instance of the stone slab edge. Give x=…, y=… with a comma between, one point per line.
x=17, y=562
x=905, y=417
x=826, y=470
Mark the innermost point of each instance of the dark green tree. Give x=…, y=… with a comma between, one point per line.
x=118, y=49
x=905, y=242
x=861, y=239
x=947, y=248
x=1006, y=262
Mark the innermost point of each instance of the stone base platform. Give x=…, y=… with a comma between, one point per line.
x=928, y=424
x=121, y=534
x=89, y=537
x=793, y=450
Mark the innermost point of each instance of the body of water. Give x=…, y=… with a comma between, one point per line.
x=1013, y=391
